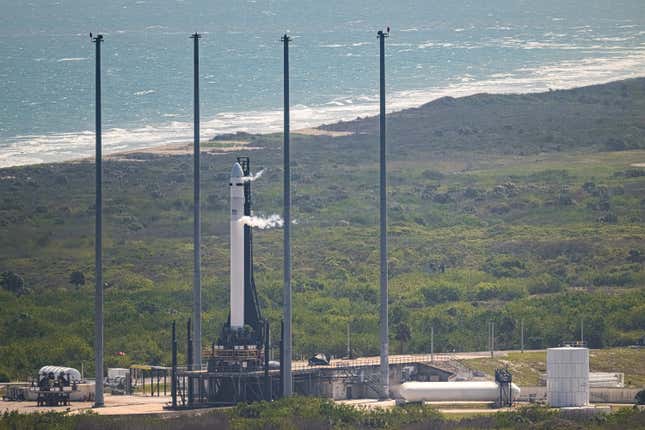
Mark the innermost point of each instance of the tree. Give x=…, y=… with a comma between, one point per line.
x=13, y=282
x=77, y=278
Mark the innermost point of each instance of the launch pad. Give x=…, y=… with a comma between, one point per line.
x=237, y=367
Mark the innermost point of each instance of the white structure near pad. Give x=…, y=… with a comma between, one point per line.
x=567, y=382
x=453, y=391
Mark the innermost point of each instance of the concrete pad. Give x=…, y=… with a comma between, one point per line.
x=114, y=405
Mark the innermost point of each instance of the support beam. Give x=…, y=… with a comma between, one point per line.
x=522, y=335
x=197, y=228
x=98, y=242
x=268, y=395
x=189, y=361
x=432, y=343
x=173, y=375
x=286, y=300
x=384, y=331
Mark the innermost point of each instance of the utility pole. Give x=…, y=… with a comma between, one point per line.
x=197, y=230
x=349, y=340
x=582, y=330
x=385, y=366
x=98, y=242
x=492, y=339
x=491, y=336
x=522, y=335
x=432, y=344
x=286, y=300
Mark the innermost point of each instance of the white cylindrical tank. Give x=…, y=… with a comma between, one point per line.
x=567, y=376
x=237, y=247
x=74, y=375
x=464, y=391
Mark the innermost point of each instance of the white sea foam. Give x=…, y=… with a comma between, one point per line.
x=144, y=92
x=63, y=60
x=32, y=149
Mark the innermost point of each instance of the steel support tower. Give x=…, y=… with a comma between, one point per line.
x=197, y=231
x=98, y=241
x=385, y=366
x=286, y=300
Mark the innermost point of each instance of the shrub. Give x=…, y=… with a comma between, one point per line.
x=77, y=278
x=545, y=283
x=13, y=282
x=505, y=267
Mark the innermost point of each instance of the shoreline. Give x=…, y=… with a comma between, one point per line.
x=183, y=146
x=173, y=149
x=218, y=147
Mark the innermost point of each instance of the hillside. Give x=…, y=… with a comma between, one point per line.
x=600, y=117
x=483, y=226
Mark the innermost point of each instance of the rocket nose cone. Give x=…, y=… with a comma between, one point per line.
x=237, y=172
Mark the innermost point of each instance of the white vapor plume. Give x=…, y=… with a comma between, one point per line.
x=253, y=177
x=262, y=223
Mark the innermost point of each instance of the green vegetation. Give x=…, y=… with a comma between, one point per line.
x=313, y=413
x=528, y=366
x=496, y=224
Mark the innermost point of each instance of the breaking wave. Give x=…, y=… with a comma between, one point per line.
x=33, y=149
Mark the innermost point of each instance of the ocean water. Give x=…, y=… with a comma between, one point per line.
x=436, y=48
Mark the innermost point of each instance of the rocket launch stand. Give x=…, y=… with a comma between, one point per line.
x=238, y=362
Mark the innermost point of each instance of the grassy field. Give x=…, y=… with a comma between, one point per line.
x=528, y=366
x=509, y=222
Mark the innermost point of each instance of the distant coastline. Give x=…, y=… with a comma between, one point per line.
x=177, y=141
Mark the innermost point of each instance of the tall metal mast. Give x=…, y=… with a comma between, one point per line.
x=385, y=367
x=197, y=231
x=287, y=345
x=98, y=242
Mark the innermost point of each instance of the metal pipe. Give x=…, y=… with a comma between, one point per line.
x=189, y=359
x=385, y=367
x=173, y=382
x=281, y=391
x=432, y=343
x=349, y=340
x=98, y=242
x=492, y=339
x=287, y=339
x=197, y=276
x=267, y=348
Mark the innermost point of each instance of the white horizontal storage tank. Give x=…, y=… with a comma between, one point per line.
x=73, y=374
x=458, y=391
x=567, y=377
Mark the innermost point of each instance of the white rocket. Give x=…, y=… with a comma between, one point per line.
x=237, y=247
